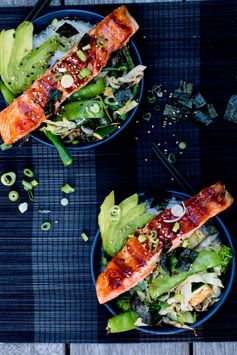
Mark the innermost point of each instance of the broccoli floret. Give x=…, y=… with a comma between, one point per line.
x=123, y=302
x=225, y=254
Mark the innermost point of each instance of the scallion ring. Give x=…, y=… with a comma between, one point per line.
x=46, y=226
x=28, y=172
x=30, y=195
x=27, y=185
x=151, y=99
x=13, y=196
x=8, y=179
x=171, y=158
x=182, y=145
x=114, y=213
x=157, y=108
x=147, y=116
x=57, y=76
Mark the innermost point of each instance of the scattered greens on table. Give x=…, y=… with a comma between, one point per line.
x=187, y=281
x=90, y=114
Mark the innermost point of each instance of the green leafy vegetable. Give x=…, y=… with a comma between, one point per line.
x=123, y=302
x=225, y=254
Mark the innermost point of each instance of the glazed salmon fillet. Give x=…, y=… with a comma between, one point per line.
x=137, y=259
x=43, y=98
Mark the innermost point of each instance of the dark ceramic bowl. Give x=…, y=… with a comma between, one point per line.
x=202, y=317
x=40, y=24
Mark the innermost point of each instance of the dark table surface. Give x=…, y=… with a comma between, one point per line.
x=46, y=291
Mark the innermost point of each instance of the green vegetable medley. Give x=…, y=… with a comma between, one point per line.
x=186, y=281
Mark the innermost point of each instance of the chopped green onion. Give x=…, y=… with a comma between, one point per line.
x=46, y=226
x=147, y=116
x=171, y=158
x=64, y=201
x=27, y=172
x=84, y=73
x=75, y=142
x=84, y=237
x=23, y=207
x=82, y=56
x=95, y=108
x=57, y=76
x=175, y=227
x=114, y=213
x=157, y=108
x=27, y=185
x=100, y=42
x=67, y=189
x=4, y=146
x=34, y=183
x=185, y=244
x=104, y=261
x=182, y=145
x=8, y=179
x=44, y=211
x=151, y=99
x=30, y=195
x=13, y=196
x=142, y=238
x=85, y=48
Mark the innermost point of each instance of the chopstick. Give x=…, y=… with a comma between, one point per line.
x=39, y=7
x=184, y=184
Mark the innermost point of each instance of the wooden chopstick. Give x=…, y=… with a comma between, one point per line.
x=184, y=184
x=39, y=7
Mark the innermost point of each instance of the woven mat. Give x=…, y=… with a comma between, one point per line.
x=46, y=291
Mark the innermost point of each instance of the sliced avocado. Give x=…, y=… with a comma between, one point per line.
x=7, y=94
x=6, y=46
x=117, y=237
x=33, y=65
x=131, y=215
x=103, y=218
x=128, y=203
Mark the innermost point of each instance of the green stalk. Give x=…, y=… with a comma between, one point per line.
x=63, y=152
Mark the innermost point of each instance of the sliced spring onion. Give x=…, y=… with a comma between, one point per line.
x=147, y=116
x=100, y=42
x=67, y=81
x=84, y=237
x=179, y=217
x=130, y=105
x=157, y=108
x=46, y=226
x=171, y=158
x=44, y=211
x=104, y=261
x=27, y=185
x=67, y=189
x=28, y=172
x=8, y=179
x=111, y=102
x=23, y=207
x=57, y=76
x=13, y=196
x=182, y=145
x=34, y=183
x=114, y=213
x=142, y=238
x=82, y=56
x=85, y=48
x=30, y=195
x=84, y=73
x=4, y=146
x=64, y=201
x=151, y=99
x=175, y=227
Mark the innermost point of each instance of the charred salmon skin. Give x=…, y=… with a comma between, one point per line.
x=43, y=98
x=138, y=259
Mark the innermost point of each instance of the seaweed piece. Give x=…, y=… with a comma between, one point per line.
x=181, y=98
x=67, y=30
x=186, y=87
x=86, y=39
x=185, y=258
x=115, y=59
x=202, y=117
x=54, y=95
x=199, y=101
x=211, y=111
x=176, y=112
x=231, y=109
x=123, y=95
x=148, y=314
x=161, y=199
